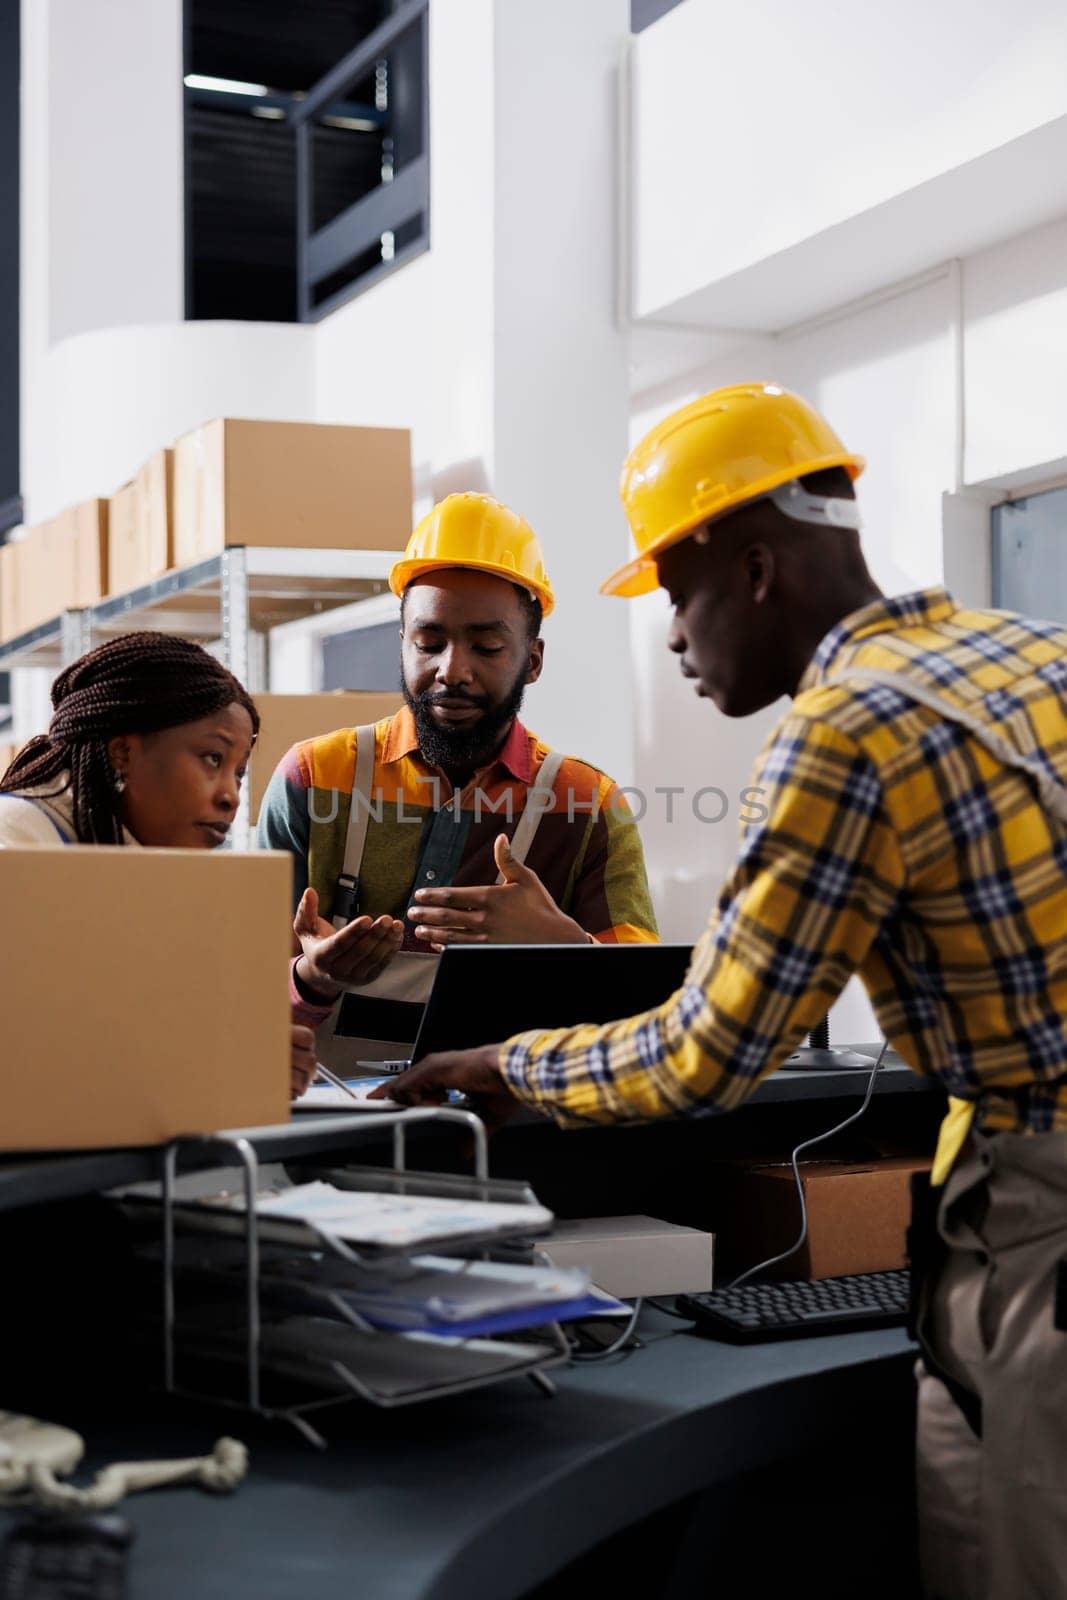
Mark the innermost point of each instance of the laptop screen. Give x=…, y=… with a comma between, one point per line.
x=485, y=993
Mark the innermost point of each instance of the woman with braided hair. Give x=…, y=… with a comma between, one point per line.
x=149, y=741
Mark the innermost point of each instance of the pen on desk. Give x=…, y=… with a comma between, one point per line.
x=338, y=1083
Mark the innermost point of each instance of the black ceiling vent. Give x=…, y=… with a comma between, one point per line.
x=282, y=142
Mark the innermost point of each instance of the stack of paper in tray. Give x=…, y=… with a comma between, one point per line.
x=466, y=1299
x=425, y=1293
x=395, y=1221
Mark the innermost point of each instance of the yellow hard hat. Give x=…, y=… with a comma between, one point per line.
x=473, y=530
x=728, y=447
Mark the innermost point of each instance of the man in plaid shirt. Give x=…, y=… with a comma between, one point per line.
x=916, y=834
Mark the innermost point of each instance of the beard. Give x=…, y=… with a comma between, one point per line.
x=464, y=749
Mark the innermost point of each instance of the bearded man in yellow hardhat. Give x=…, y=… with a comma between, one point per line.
x=915, y=834
x=449, y=823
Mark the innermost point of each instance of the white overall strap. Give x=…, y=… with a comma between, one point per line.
x=359, y=813
x=1052, y=793
x=530, y=821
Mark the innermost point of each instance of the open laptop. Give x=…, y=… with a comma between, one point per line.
x=484, y=993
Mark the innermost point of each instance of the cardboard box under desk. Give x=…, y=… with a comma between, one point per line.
x=858, y=1214
x=143, y=994
x=288, y=719
x=306, y=484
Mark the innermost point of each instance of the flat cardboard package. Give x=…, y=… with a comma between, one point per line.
x=126, y=559
x=153, y=490
x=143, y=993
x=306, y=484
x=83, y=531
x=858, y=1214
x=287, y=719
x=628, y=1256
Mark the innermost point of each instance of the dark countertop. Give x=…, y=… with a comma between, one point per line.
x=483, y=1496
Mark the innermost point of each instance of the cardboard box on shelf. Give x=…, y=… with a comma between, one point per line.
x=125, y=560
x=287, y=719
x=154, y=510
x=32, y=579
x=47, y=572
x=309, y=484
x=188, y=1054
x=83, y=529
x=858, y=1215
x=10, y=605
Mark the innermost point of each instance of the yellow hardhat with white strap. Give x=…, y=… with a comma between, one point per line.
x=477, y=532
x=749, y=442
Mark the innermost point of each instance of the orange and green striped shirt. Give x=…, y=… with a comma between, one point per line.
x=586, y=851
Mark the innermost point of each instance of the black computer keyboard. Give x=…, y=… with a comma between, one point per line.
x=797, y=1310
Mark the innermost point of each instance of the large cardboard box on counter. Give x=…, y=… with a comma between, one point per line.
x=306, y=484
x=858, y=1214
x=175, y=1013
x=287, y=719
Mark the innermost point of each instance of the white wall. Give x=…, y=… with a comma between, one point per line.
x=760, y=126
x=115, y=162
x=373, y=362
x=1015, y=299
x=560, y=389
x=475, y=346
x=102, y=234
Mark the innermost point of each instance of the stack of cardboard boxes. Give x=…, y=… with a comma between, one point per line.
x=230, y=482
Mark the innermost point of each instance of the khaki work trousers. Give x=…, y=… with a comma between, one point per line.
x=993, y=1511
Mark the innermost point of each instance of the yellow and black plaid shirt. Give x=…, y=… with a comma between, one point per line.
x=895, y=846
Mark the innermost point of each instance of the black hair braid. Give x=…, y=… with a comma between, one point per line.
x=138, y=683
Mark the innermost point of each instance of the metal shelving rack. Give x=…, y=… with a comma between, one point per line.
x=243, y=592
x=235, y=597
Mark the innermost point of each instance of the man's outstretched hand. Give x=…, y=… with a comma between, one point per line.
x=518, y=911
x=475, y=1073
